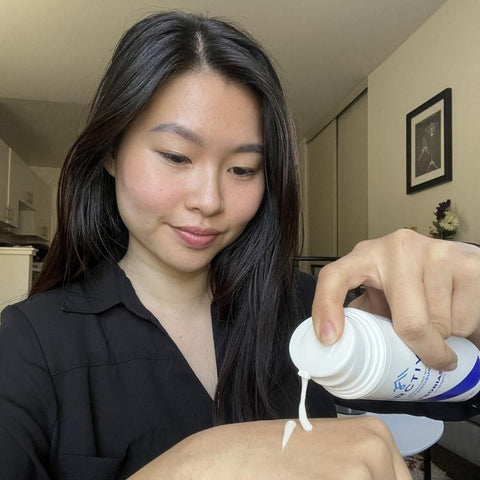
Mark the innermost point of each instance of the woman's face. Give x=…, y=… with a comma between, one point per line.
x=189, y=171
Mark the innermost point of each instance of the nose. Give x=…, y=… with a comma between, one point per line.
x=205, y=194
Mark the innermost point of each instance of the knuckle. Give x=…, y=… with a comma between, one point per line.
x=410, y=327
x=440, y=252
x=471, y=266
x=333, y=273
x=442, y=325
x=401, y=243
x=403, y=236
x=327, y=270
x=361, y=246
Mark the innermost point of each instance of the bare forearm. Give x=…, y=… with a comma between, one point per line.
x=253, y=450
x=194, y=458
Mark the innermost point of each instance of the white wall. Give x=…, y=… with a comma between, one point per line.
x=444, y=52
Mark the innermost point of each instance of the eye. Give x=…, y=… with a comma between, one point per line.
x=175, y=158
x=243, y=171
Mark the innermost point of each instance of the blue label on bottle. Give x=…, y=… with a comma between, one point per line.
x=410, y=380
x=465, y=385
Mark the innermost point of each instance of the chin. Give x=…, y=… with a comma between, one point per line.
x=191, y=268
x=190, y=265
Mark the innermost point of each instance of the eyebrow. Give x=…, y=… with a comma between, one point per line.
x=191, y=136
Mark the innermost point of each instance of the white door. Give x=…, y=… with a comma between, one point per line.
x=352, y=175
x=321, y=193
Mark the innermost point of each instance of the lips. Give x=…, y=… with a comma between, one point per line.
x=196, y=237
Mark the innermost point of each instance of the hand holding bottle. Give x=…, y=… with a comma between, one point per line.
x=430, y=288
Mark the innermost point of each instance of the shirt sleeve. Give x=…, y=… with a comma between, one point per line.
x=27, y=401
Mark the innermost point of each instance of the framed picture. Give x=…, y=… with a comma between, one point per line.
x=429, y=143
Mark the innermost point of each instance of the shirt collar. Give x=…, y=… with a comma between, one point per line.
x=102, y=288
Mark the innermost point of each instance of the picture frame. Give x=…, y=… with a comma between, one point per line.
x=429, y=143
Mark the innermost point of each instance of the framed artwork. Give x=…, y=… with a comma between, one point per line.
x=429, y=143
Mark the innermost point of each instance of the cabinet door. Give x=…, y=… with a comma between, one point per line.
x=22, y=181
x=21, y=187
x=16, y=285
x=43, y=203
x=4, y=165
x=36, y=222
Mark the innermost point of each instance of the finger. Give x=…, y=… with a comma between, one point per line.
x=406, y=297
x=465, y=300
x=438, y=293
x=334, y=281
x=465, y=311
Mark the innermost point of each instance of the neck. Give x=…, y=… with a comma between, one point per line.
x=157, y=282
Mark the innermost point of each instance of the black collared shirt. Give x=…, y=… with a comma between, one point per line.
x=92, y=386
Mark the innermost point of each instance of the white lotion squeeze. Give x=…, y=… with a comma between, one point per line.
x=371, y=361
x=302, y=413
x=290, y=426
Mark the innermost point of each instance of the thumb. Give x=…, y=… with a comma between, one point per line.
x=327, y=309
x=328, y=321
x=333, y=283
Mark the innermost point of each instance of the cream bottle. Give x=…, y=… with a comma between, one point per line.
x=371, y=361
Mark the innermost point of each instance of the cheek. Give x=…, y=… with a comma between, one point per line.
x=141, y=192
x=248, y=204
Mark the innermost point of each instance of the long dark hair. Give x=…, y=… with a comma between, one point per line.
x=252, y=279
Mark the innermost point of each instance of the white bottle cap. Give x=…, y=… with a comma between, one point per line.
x=330, y=363
x=346, y=368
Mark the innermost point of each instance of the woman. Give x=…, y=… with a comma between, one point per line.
x=158, y=329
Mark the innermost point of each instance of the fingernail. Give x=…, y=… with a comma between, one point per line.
x=327, y=333
x=451, y=367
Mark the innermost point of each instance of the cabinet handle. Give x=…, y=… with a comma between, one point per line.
x=44, y=231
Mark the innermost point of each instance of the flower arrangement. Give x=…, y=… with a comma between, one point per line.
x=446, y=222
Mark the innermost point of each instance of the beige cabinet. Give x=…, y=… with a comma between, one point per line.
x=15, y=274
x=16, y=177
x=20, y=190
x=25, y=198
x=34, y=216
x=43, y=207
x=22, y=179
